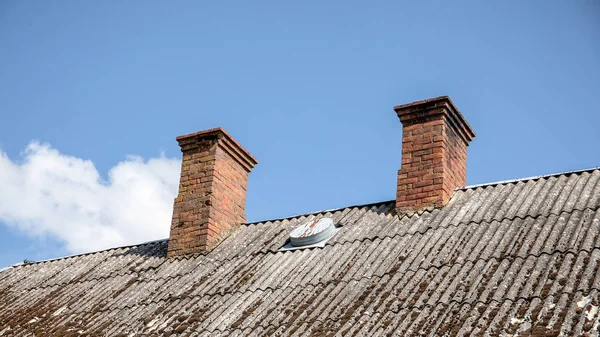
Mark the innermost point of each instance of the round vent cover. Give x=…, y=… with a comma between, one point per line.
x=312, y=232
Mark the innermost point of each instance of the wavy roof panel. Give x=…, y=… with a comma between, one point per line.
x=515, y=258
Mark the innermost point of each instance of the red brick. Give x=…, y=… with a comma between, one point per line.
x=433, y=153
x=212, y=191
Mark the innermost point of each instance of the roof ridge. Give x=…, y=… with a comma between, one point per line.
x=502, y=182
x=416, y=232
x=510, y=181
x=371, y=204
x=460, y=188
x=81, y=254
x=166, y=239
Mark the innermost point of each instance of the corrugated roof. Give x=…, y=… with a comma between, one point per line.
x=519, y=257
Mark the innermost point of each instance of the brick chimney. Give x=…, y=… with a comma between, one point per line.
x=435, y=137
x=212, y=191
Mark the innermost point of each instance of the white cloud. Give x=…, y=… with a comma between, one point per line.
x=50, y=193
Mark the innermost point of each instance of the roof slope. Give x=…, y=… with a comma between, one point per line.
x=517, y=258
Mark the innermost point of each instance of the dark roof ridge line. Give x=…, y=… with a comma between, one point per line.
x=504, y=182
x=21, y=264
x=495, y=183
x=332, y=210
x=186, y=257
x=534, y=178
x=570, y=251
x=329, y=244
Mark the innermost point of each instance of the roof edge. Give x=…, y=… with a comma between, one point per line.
x=81, y=254
x=20, y=264
x=510, y=181
x=371, y=204
x=318, y=212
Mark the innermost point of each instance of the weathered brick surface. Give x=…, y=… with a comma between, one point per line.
x=212, y=191
x=435, y=137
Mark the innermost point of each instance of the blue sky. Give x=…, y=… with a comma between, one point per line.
x=93, y=94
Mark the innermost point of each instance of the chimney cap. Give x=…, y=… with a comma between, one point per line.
x=412, y=112
x=242, y=154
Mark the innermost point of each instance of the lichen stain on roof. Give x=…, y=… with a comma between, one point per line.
x=520, y=258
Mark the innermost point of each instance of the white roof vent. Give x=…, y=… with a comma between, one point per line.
x=313, y=233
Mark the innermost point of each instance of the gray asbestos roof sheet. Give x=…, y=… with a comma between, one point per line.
x=516, y=258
